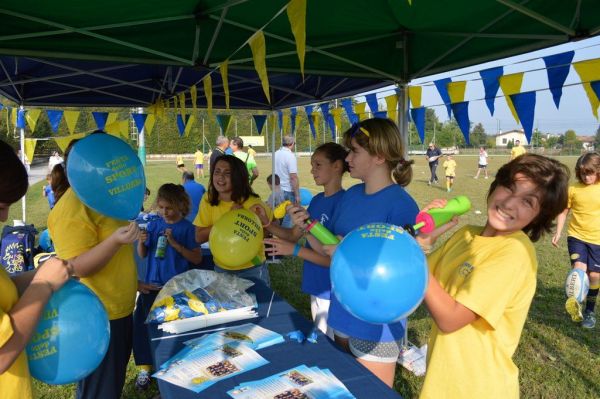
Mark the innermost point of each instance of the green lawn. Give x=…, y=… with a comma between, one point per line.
x=557, y=358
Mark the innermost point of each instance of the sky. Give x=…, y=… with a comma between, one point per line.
x=574, y=113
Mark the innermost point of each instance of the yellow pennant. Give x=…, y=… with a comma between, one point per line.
x=589, y=71
x=316, y=117
x=224, y=67
x=337, y=118
x=511, y=84
x=32, y=116
x=207, y=81
x=13, y=116
x=30, y=148
x=63, y=142
x=456, y=91
x=194, y=97
x=391, y=103
x=112, y=117
x=71, y=118
x=272, y=122
x=188, y=127
x=149, y=125
x=414, y=94
x=287, y=121
x=182, y=102
x=359, y=109
x=259, y=52
x=296, y=11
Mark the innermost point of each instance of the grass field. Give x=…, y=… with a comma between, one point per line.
x=556, y=358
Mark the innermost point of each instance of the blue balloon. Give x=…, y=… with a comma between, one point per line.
x=305, y=196
x=71, y=337
x=107, y=175
x=46, y=242
x=379, y=273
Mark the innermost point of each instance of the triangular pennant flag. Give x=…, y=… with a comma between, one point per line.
x=347, y=104
x=336, y=113
x=64, y=141
x=112, y=117
x=259, y=120
x=182, y=102
x=194, y=98
x=456, y=91
x=372, y=101
x=259, y=51
x=280, y=119
x=380, y=114
x=20, y=118
x=316, y=117
x=511, y=84
x=225, y=78
x=272, y=121
x=32, y=116
x=596, y=87
x=100, y=118
x=325, y=111
x=54, y=116
x=461, y=113
x=30, y=148
x=207, y=81
x=296, y=11
x=491, y=84
x=181, y=124
x=140, y=121
x=71, y=118
x=224, y=122
x=359, y=110
x=117, y=128
x=442, y=87
x=311, y=122
x=286, y=123
x=525, y=106
x=589, y=71
x=391, y=103
x=188, y=125
x=414, y=94
x=149, y=125
x=14, y=114
x=557, y=67
x=418, y=117
x=293, y=115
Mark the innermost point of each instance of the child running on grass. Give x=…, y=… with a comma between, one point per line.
x=327, y=167
x=169, y=243
x=583, y=239
x=449, y=166
x=482, y=281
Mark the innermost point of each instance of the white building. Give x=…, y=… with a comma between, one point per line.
x=502, y=139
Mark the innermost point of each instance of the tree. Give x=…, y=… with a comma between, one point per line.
x=570, y=141
x=478, y=136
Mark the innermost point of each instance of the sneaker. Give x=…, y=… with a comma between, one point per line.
x=573, y=308
x=449, y=189
x=142, y=382
x=486, y=177
x=589, y=320
x=477, y=177
x=429, y=183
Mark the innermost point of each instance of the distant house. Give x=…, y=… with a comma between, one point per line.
x=502, y=139
x=587, y=142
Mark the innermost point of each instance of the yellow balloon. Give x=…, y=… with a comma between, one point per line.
x=236, y=238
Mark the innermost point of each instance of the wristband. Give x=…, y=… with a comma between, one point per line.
x=296, y=249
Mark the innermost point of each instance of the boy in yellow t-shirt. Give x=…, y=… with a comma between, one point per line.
x=199, y=162
x=517, y=150
x=482, y=281
x=449, y=166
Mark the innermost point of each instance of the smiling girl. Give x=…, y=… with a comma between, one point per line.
x=482, y=281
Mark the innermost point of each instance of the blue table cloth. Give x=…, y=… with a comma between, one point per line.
x=277, y=315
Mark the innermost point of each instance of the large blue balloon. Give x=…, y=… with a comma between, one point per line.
x=71, y=338
x=107, y=176
x=305, y=196
x=379, y=273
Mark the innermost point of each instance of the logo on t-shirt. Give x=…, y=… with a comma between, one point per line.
x=324, y=218
x=465, y=269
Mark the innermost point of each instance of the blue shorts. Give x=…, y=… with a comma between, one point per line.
x=199, y=166
x=588, y=254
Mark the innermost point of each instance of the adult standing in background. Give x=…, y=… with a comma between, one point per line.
x=517, y=150
x=483, y=162
x=251, y=151
x=432, y=155
x=237, y=144
x=222, y=145
x=55, y=159
x=199, y=162
x=195, y=191
x=286, y=166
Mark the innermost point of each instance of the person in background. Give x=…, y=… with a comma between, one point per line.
x=449, y=166
x=54, y=160
x=195, y=191
x=517, y=150
x=24, y=296
x=222, y=145
x=286, y=167
x=251, y=151
x=237, y=145
x=180, y=163
x=276, y=196
x=199, y=162
x=47, y=191
x=432, y=155
x=483, y=162
x=58, y=181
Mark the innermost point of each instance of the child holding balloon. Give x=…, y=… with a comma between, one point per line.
x=327, y=167
x=24, y=296
x=164, y=262
x=376, y=157
x=482, y=281
x=229, y=188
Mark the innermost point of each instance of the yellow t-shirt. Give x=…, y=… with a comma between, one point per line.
x=75, y=229
x=450, y=167
x=179, y=160
x=198, y=158
x=251, y=152
x=15, y=383
x=495, y=277
x=209, y=214
x=584, y=202
x=516, y=151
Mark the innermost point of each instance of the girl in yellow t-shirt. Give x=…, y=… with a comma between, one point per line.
x=229, y=188
x=450, y=170
x=583, y=239
x=23, y=296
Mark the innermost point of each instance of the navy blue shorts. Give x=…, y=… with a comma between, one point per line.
x=588, y=254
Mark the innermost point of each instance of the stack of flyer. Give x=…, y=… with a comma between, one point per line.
x=300, y=382
x=214, y=357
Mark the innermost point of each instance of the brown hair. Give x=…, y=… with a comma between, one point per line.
x=13, y=175
x=334, y=152
x=58, y=181
x=175, y=195
x=383, y=139
x=588, y=164
x=552, y=181
x=241, y=189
